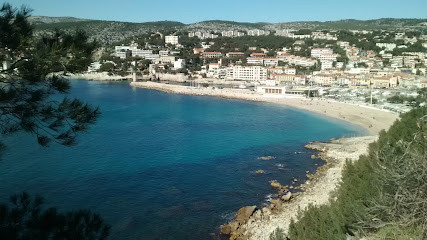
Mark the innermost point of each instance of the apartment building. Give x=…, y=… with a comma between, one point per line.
x=247, y=73
x=174, y=40
x=263, y=61
x=282, y=70
x=258, y=32
x=210, y=55
x=297, y=60
x=235, y=54
x=318, y=52
x=387, y=46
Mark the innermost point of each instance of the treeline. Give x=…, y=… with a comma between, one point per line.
x=382, y=195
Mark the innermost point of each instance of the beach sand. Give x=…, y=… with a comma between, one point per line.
x=370, y=118
x=318, y=189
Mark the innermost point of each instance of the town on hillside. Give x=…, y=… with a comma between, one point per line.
x=382, y=68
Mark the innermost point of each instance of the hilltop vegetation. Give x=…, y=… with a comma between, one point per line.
x=109, y=32
x=383, y=194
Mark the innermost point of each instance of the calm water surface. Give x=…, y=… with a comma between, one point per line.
x=168, y=166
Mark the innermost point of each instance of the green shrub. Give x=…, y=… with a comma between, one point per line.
x=385, y=187
x=277, y=234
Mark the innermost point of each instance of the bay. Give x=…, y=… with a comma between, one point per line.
x=168, y=166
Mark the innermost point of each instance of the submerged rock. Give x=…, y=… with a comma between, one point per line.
x=267, y=158
x=260, y=171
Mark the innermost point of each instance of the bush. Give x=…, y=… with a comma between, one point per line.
x=387, y=187
x=277, y=234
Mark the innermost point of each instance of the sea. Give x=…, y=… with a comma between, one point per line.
x=167, y=166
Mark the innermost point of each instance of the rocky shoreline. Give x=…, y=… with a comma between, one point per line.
x=257, y=224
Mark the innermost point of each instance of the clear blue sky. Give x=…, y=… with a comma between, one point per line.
x=190, y=11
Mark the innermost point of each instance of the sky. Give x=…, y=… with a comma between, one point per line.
x=191, y=11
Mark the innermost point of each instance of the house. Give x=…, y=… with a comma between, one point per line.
x=198, y=50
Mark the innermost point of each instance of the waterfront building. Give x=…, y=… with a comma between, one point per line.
x=247, y=73
x=180, y=63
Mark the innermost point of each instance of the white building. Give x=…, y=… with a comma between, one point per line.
x=297, y=60
x=5, y=65
x=180, y=63
x=174, y=40
x=167, y=59
x=255, y=61
x=318, y=52
x=326, y=64
x=93, y=67
x=247, y=73
x=258, y=32
x=387, y=46
x=122, y=51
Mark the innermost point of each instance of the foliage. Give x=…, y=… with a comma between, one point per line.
x=277, y=234
x=384, y=188
x=415, y=101
x=29, y=102
x=26, y=89
x=25, y=218
x=374, y=100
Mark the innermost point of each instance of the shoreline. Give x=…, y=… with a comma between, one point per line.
x=315, y=191
x=369, y=118
x=251, y=223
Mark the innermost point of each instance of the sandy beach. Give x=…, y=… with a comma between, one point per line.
x=370, y=118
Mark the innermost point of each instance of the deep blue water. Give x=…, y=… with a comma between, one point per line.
x=168, y=166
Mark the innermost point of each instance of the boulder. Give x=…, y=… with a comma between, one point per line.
x=275, y=203
x=287, y=196
x=257, y=214
x=260, y=171
x=275, y=184
x=234, y=226
x=225, y=229
x=244, y=213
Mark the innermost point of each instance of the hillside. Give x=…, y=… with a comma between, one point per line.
x=114, y=31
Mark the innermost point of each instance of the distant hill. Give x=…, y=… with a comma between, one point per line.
x=114, y=31
x=47, y=20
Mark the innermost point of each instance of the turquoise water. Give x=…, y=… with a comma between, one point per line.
x=168, y=166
